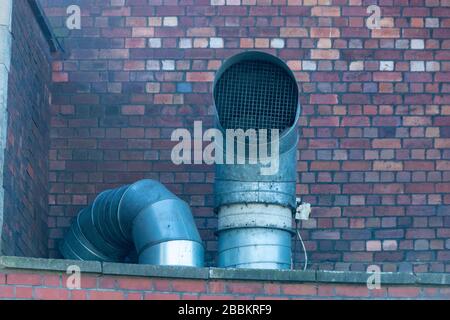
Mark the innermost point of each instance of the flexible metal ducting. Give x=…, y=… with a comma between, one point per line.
x=145, y=218
x=255, y=90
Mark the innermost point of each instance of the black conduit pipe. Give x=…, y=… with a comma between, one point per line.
x=144, y=216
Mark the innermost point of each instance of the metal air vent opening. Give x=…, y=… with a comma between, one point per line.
x=255, y=90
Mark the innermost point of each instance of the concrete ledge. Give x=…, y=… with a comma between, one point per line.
x=361, y=277
x=48, y=264
x=155, y=271
x=263, y=275
x=433, y=278
x=291, y=276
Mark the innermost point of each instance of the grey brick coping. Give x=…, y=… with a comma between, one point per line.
x=292, y=276
x=48, y=264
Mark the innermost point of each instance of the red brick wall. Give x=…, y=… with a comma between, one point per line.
x=52, y=286
x=374, y=158
x=26, y=155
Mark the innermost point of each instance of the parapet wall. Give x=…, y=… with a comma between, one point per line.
x=25, y=278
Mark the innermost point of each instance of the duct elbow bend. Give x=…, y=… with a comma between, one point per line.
x=255, y=209
x=147, y=215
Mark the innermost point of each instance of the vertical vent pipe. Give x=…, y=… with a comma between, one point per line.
x=255, y=90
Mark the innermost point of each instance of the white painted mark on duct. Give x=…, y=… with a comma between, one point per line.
x=254, y=215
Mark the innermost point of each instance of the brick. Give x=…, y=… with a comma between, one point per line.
x=309, y=65
x=417, y=44
x=416, y=121
x=161, y=285
x=352, y=291
x=386, y=33
x=200, y=76
x=143, y=32
x=185, y=43
x=373, y=245
x=133, y=110
x=23, y=293
x=60, y=77
x=245, y=288
x=155, y=21
x=105, y=295
x=386, y=65
x=387, y=76
x=324, y=43
x=201, y=43
x=199, y=32
x=324, y=99
x=325, y=290
x=417, y=66
x=189, y=286
x=170, y=21
x=155, y=43
x=24, y=279
x=325, y=33
x=403, y=292
x=215, y=297
x=272, y=288
x=442, y=143
x=390, y=245
x=6, y=292
x=216, y=287
x=326, y=11
x=277, y=43
x=51, y=294
x=216, y=43
x=432, y=22
x=320, y=54
x=326, y=235
x=113, y=54
x=161, y=296
x=51, y=280
x=299, y=289
x=356, y=66
x=386, y=143
x=387, y=166
x=293, y=32
x=135, y=284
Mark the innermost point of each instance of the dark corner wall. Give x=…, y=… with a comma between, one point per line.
x=25, y=230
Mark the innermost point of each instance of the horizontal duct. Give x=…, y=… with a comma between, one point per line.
x=144, y=219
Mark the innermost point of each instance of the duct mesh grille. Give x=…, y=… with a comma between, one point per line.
x=256, y=95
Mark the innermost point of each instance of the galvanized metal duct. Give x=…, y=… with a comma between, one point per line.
x=144, y=216
x=255, y=90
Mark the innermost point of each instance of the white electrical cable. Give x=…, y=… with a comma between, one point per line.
x=304, y=250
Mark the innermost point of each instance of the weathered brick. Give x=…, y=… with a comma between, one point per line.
x=325, y=11
x=299, y=289
x=51, y=294
x=188, y=286
x=245, y=288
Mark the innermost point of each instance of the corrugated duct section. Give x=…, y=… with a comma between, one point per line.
x=144, y=218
